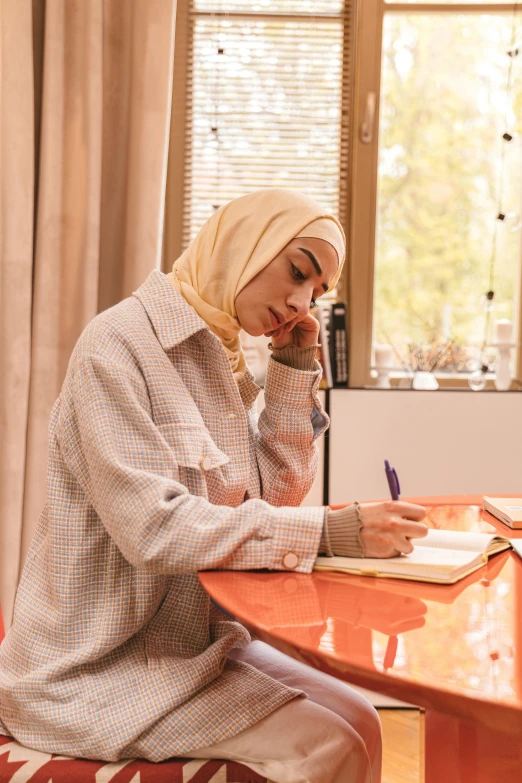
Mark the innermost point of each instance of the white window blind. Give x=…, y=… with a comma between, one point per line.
x=268, y=102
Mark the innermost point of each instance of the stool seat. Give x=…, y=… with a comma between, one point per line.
x=23, y=765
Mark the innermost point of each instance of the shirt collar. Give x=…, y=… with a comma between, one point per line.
x=174, y=321
x=172, y=318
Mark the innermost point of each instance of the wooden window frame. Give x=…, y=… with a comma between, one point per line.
x=361, y=251
x=175, y=190
x=359, y=162
x=179, y=140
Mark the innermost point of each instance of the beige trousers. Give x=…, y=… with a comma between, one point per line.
x=333, y=736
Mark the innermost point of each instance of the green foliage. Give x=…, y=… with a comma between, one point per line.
x=442, y=117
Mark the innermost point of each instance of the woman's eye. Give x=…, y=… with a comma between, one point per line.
x=297, y=273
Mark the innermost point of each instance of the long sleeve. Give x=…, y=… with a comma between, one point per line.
x=129, y=473
x=288, y=426
x=298, y=358
x=341, y=532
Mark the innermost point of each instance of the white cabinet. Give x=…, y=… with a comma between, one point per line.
x=441, y=443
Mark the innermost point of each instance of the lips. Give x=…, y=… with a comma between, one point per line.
x=276, y=323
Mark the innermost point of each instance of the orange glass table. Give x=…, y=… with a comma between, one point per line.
x=455, y=651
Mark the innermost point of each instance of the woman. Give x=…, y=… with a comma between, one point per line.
x=158, y=468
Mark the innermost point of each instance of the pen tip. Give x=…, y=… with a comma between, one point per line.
x=386, y=464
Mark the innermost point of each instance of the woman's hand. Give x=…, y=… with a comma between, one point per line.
x=388, y=527
x=301, y=333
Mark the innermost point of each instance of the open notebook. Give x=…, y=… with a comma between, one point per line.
x=443, y=556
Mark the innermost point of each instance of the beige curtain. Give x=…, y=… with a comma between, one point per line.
x=85, y=100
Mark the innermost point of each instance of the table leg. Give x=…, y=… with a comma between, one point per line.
x=461, y=751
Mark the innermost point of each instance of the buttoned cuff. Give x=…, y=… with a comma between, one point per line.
x=341, y=533
x=294, y=538
x=298, y=358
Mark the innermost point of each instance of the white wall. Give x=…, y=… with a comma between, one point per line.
x=442, y=442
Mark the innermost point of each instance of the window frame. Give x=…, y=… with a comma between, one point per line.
x=178, y=142
x=177, y=173
x=362, y=56
x=363, y=218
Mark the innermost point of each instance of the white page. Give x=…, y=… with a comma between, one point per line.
x=455, y=539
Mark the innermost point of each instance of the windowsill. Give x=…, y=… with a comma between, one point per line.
x=448, y=381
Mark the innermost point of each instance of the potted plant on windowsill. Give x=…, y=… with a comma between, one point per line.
x=424, y=360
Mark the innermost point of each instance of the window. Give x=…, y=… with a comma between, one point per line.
x=439, y=172
x=391, y=114
x=266, y=92
x=265, y=105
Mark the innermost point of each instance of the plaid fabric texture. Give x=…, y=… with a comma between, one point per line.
x=22, y=765
x=158, y=467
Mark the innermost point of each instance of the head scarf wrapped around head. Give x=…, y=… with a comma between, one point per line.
x=235, y=244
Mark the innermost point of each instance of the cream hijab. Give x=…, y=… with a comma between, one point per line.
x=236, y=243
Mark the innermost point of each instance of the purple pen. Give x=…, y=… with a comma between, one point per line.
x=393, y=480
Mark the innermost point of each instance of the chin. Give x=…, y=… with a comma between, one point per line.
x=251, y=325
x=253, y=330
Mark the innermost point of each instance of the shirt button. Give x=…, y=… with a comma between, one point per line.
x=206, y=463
x=290, y=560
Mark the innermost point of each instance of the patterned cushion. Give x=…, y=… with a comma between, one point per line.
x=22, y=765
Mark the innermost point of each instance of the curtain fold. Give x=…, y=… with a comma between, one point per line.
x=16, y=272
x=103, y=145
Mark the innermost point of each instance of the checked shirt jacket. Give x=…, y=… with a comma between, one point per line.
x=159, y=466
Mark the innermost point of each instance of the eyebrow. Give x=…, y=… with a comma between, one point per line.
x=315, y=262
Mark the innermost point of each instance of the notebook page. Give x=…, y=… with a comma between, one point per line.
x=456, y=539
x=498, y=544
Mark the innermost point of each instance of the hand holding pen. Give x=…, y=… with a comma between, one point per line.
x=388, y=527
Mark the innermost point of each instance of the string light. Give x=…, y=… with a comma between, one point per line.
x=477, y=379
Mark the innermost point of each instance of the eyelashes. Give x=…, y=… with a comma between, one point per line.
x=298, y=275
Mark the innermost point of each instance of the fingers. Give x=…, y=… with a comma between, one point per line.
x=409, y=529
x=408, y=510
x=309, y=322
x=305, y=323
x=405, y=547
x=404, y=532
x=281, y=330
x=390, y=528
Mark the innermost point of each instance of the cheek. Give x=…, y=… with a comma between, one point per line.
x=260, y=291
x=245, y=303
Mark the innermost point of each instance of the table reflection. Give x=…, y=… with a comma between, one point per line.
x=463, y=637
x=450, y=517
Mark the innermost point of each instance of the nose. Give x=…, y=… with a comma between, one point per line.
x=299, y=303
